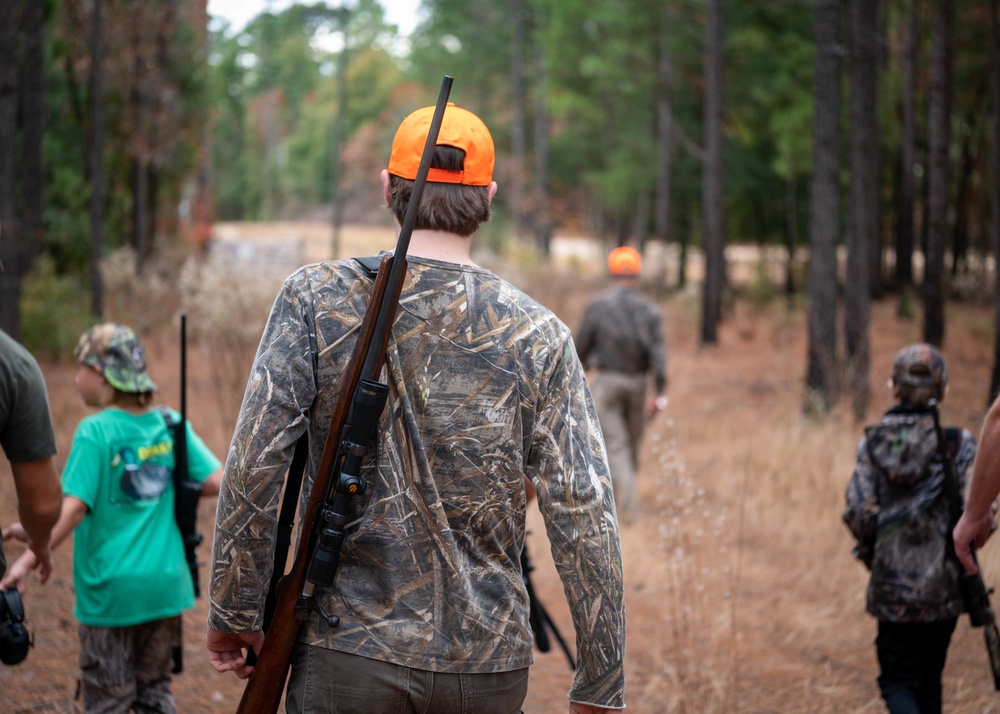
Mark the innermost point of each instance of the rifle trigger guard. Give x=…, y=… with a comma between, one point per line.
x=308, y=604
x=349, y=447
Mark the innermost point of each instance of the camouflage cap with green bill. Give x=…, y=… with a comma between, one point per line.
x=115, y=350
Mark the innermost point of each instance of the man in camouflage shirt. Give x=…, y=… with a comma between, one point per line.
x=899, y=513
x=485, y=390
x=621, y=339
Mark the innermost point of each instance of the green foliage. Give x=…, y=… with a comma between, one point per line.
x=54, y=310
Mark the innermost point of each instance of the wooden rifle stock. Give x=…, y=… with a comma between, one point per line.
x=266, y=684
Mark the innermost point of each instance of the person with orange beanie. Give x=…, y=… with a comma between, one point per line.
x=621, y=340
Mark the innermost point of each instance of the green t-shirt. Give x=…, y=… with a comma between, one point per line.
x=128, y=558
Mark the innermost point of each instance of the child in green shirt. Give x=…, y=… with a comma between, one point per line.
x=129, y=569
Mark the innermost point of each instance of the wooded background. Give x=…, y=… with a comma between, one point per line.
x=863, y=132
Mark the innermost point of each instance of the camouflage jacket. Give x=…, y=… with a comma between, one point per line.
x=621, y=332
x=485, y=388
x=898, y=511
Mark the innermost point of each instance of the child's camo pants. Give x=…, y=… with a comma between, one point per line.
x=123, y=668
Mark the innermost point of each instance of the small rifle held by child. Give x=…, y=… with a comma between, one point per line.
x=186, y=492
x=338, y=478
x=974, y=591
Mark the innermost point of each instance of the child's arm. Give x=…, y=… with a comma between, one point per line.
x=210, y=486
x=72, y=512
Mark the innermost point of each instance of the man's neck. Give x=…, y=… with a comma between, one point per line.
x=438, y=245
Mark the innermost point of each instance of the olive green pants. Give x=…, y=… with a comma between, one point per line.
x=620, y=400
x=330, y=682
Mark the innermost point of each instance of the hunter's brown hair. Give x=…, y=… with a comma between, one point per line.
x=452, y=208
x=132, y=399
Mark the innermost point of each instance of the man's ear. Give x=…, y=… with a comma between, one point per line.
x=492, y=190
x=385, y=186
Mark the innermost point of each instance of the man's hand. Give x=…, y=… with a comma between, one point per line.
x=968, y=531
x=225, y=650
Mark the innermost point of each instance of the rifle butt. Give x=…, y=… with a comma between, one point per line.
x=992, y=636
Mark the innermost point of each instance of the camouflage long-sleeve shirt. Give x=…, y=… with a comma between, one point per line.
x=621, y=332
x=485, y=388
x=899, y=513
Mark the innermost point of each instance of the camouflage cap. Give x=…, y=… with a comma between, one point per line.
x=919, y=365
x=115, y=350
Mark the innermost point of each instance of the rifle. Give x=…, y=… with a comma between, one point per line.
x=187, y=493
x=538, y=616
x=338, y=479
x=974, y=591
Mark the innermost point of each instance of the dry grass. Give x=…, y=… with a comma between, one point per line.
x=742, y=594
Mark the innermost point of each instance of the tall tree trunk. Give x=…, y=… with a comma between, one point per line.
x=994, y=226
x=337, y=139
x=664, y=135
x=937, y=179
x=864, y=197
x=140, y=213
x=791, y=233
x=877, y=45
x=10, y=238
x=96, y=161
x=824, y=212
x=518, y=126
x=713, y=175
x=35, y=116
x=541, y=220
x=908, y=160
x=967, y=167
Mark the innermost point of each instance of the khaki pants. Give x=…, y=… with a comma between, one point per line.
x=620, y=400
x=329, y=682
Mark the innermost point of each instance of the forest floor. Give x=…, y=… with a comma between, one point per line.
x=742, y=595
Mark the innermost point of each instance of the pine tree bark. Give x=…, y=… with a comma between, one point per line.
x=908, y=138
x=713, y=175
x=864, y=193
x=824, y=212
x=10, y=238
x=96, y=161
x=939, y=168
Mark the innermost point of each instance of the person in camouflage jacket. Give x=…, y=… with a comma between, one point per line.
x=485, y=390
x=899, y=513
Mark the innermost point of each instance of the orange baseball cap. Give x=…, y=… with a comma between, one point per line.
x=461, y=129
x=624, y=261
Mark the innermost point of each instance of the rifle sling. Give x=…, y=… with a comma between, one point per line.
x=293, y=487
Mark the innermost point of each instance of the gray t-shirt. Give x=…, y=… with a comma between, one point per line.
x=26, y=432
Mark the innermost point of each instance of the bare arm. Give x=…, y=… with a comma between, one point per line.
x=72, y=512
x=210, y=486
x=976, y=522
x=39, y=499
